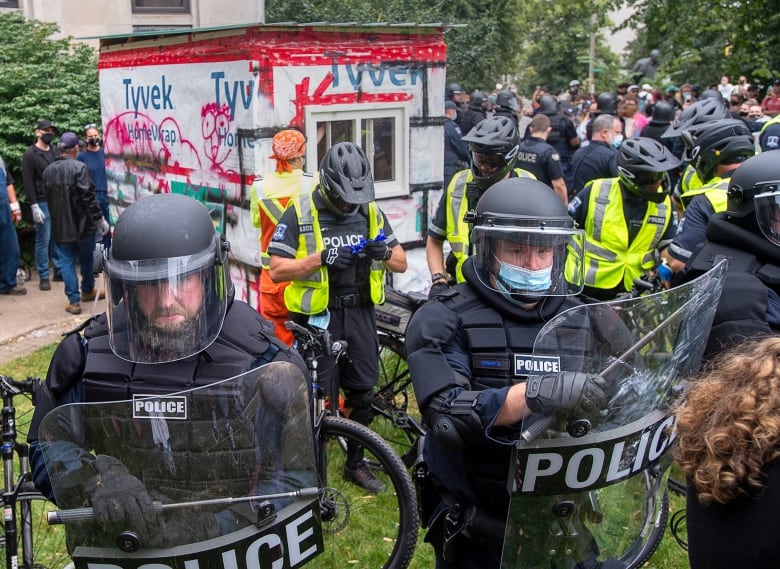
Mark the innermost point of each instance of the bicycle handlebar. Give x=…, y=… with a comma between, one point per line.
x=10, y=386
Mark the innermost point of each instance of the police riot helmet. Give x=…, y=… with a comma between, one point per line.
x=507, y=99
x=493, y=143
x=454, y=89
x=548, y=105
x=607, y=103
x=754, y=187
x=642, y=166
x=663, y=112
x=700, y=112
x=526, y=244
x=168, y=280
x=345, y=179
x=477, y=98
x=725, y=141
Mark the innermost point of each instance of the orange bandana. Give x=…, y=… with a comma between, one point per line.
x=287, y=144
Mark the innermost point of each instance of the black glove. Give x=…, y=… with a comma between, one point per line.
x=572, y=391
x=338, y=257
x=437, y=289
x=378, y=250
x=120, y=500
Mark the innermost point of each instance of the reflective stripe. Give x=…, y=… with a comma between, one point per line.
x=273, y=209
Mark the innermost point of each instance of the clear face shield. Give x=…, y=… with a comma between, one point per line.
x=767, y=206
x=530, y=262
x=163, y=310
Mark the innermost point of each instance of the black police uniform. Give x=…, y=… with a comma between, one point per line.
x=352, y=315
x=474, y=340
x=750, y=302
x=562, y=131
x=471, y=117
x=592, y=162
x=539, y=158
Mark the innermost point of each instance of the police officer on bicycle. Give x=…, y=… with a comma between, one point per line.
x=470, y=350
x=335, y=245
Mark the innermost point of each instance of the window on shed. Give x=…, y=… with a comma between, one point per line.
x=161, y=6
x=381, y=130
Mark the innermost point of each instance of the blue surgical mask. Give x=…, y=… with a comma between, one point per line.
x=512, y=278
x=617, y=141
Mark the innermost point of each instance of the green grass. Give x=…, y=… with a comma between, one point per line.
x=49, y=541
x=668, y=556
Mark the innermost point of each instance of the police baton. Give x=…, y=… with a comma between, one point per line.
x=538, y=427
x=87, y=514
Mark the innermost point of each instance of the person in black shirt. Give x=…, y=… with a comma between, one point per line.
x=540, y=158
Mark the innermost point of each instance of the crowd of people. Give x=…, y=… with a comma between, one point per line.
x=614, y=187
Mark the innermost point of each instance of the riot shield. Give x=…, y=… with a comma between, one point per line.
x=217, y=476
x=589, y=490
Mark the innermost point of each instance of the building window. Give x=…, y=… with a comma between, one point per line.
x=161, y=6
x=9, y=4
x=382, y=131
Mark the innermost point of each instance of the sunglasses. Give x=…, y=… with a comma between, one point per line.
x=89, y=126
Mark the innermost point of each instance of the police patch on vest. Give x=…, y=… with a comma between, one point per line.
x=656, y=219
x=526, y=364
x=159, y=407
x=280, y=232
x=306, y=228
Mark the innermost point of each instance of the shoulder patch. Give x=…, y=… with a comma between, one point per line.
x=280, y=232
x=555, y=156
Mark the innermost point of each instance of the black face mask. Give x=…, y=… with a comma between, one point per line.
x=93, y=141
x=47, y=137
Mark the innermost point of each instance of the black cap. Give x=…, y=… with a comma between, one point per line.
x=44, y=124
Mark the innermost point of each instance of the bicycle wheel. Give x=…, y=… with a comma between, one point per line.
x=656, y=515
x=396, y=417
x=362, y=529
x=48, y=542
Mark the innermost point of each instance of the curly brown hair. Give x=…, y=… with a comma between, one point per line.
x=729, y=426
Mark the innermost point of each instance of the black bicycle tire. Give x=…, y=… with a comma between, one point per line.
x=656, y=535
x=394, y=472
x=54, y=536
x=392, y=396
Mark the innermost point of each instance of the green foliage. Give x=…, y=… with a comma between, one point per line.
x=478, y=53
x=41, y=77
x=701, y=41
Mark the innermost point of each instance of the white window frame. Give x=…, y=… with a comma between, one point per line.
x=399, y=185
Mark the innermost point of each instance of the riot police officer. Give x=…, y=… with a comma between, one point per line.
x=627, y=219
x=463, y=352
x=563, y=137
x=334, y=244
x=494, y=146
x=475, y=113
x=172, y=324
x=748, y=235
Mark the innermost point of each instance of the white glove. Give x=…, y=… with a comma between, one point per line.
x=38, y=216
x=102, y=227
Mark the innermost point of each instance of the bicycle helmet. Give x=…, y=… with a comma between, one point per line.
x=548, y=105
x=642, y=165
x=700, y=112
x=526, y=244
x=493, y=143
x=663, y=112
x=755, y=188
x=345, y=179
x=711, y=94
x=168, y=280
x=725, y=141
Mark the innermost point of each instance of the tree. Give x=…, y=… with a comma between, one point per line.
x=701, y=41
x=481, y=45
x=41, y=77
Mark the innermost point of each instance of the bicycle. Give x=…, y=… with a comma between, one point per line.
x=388, y=521
x=396, y=417
x=26, y=531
